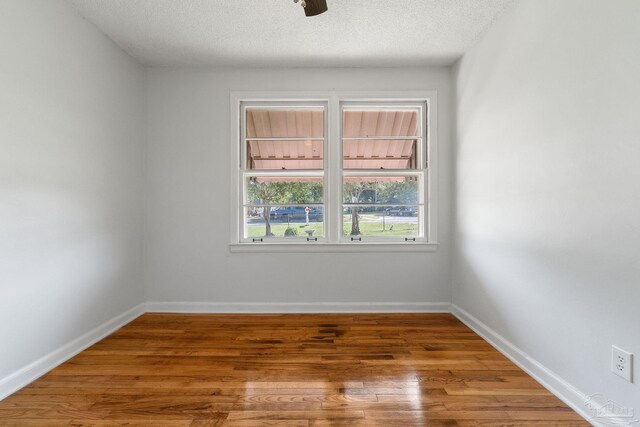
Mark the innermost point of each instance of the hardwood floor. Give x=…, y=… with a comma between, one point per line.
x=288, y=370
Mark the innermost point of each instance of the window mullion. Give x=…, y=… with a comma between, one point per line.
x=334, y=164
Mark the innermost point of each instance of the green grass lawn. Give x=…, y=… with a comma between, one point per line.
x=278, y=228
x=375, y=229
x=369, y=226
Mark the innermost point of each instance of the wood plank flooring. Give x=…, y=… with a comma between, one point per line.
x=288, y=370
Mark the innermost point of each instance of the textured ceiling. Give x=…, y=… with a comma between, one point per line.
x=267, y=33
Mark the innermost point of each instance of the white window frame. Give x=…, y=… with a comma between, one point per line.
x=245, y=173
x=333, y=240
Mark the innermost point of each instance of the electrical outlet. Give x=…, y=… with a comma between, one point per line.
x=621, y=363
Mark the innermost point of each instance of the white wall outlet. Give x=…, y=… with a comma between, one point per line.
x=621, y=363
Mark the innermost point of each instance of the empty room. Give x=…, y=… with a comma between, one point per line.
x=319, y=213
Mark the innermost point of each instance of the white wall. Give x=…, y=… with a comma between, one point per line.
x=188, y=197
x=70, y=180
x=547, y=186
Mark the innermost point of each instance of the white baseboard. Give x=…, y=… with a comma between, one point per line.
x=298, y=307
x=562, y=389
x=566, y=392
x=35, y=370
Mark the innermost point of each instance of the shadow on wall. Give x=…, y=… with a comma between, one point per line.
x=62, y=262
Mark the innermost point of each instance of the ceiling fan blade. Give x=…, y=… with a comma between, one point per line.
x=315, y=7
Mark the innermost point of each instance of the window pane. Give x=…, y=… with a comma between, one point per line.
x=284, y=122
x=381, y=221
x=284, y=190
x=381, y=122
x=284, y=221
x=380, y=154
x=285, y=154
x=381, y=190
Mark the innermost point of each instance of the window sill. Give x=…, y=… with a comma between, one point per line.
x=333, y=247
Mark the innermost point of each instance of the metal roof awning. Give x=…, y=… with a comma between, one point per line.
x=293, y=138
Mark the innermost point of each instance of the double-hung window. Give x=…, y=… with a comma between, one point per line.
x=283, y=171
x=333, y=171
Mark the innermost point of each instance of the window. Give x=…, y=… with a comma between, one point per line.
x=283, y=171
x=333, y=170
x=383, y=171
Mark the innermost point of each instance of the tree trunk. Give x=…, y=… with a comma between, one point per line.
x=355, y=222
x=266, y=212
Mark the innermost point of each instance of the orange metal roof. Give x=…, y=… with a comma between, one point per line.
x=307, y=153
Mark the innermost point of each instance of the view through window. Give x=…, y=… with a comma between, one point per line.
x=298, y=184
x=382, y=171
x=284, y=171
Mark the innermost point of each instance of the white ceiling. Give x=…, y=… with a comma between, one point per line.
x=267, y=33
